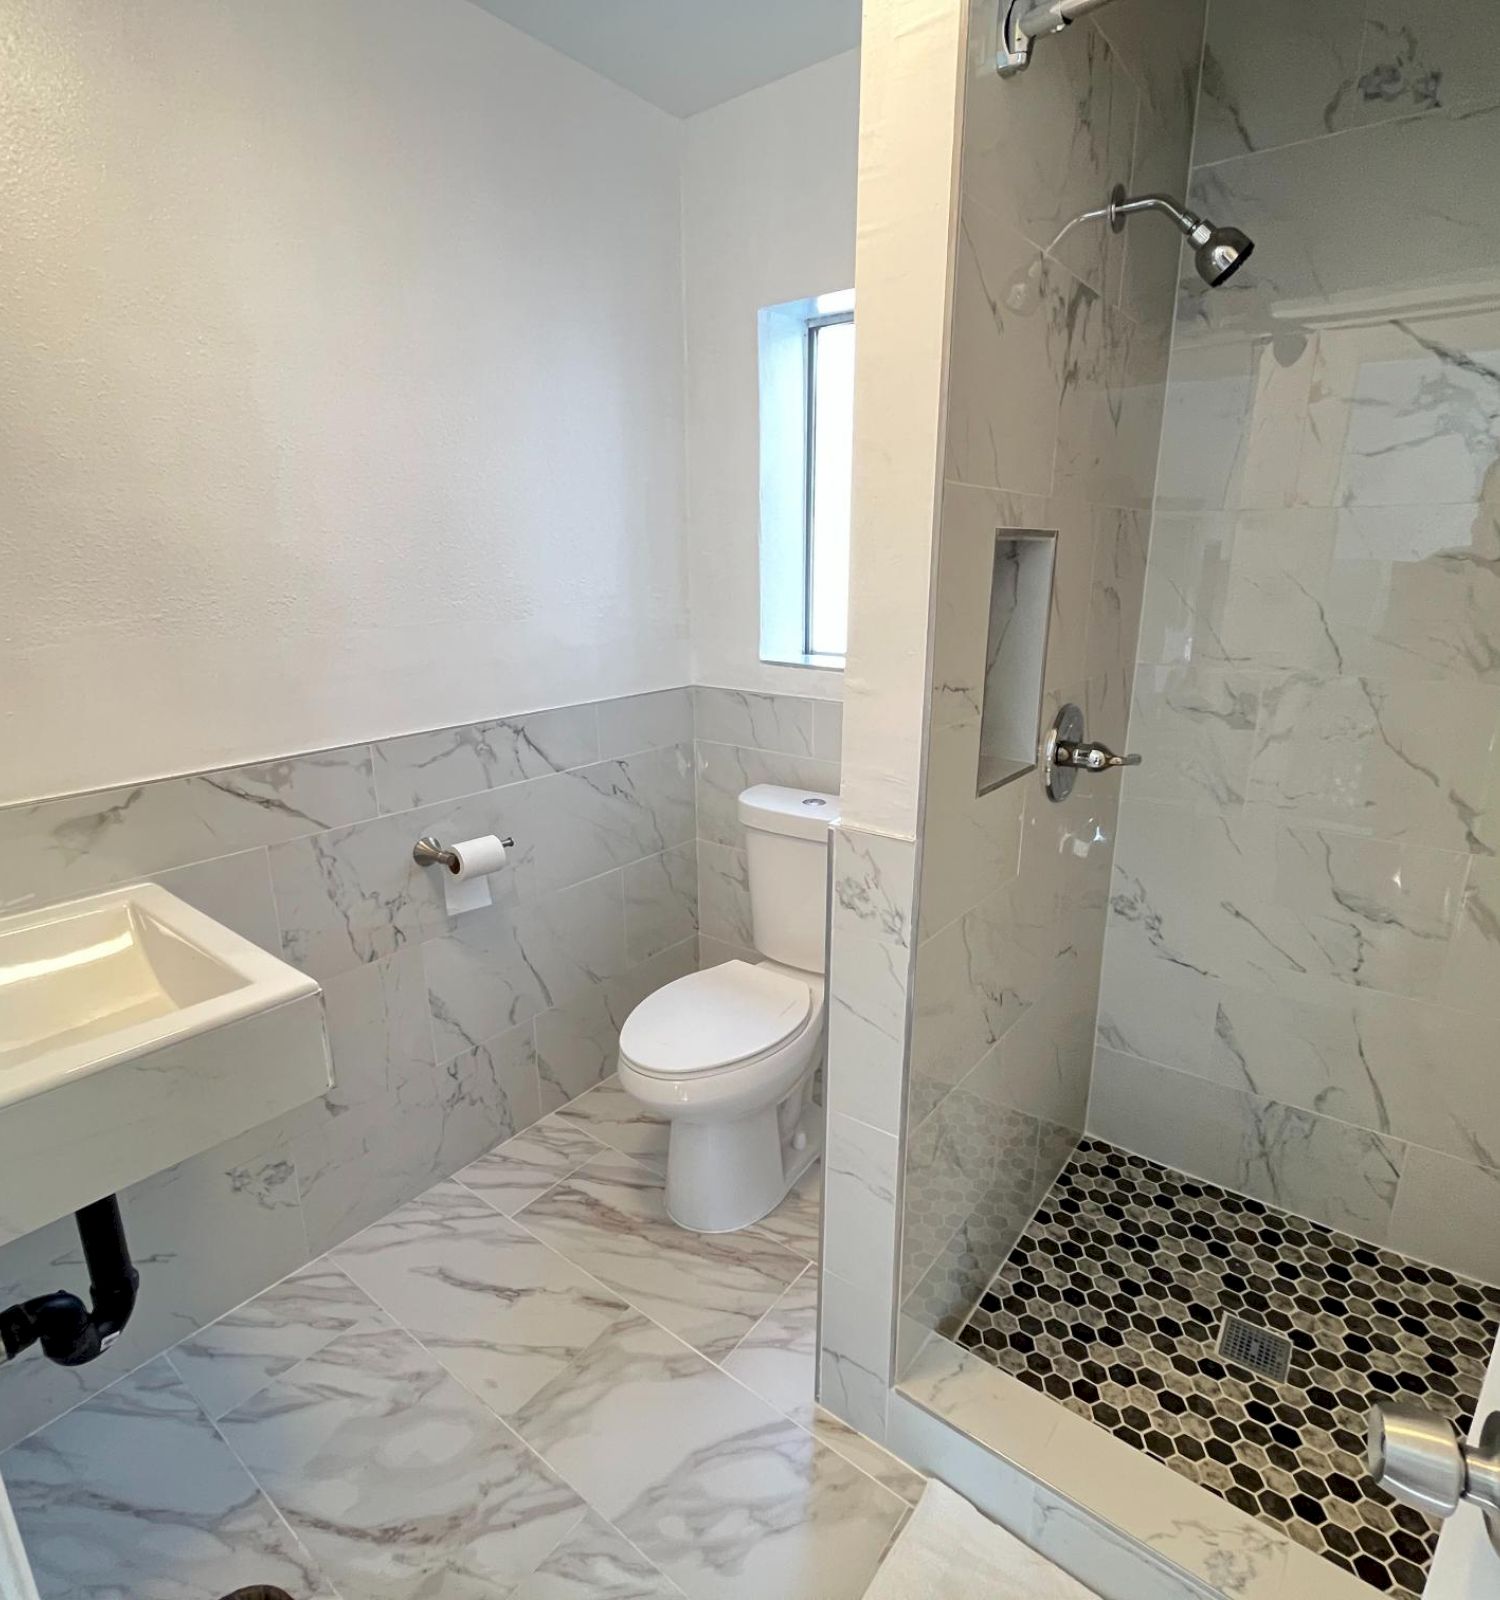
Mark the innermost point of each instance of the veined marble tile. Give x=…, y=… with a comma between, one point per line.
x=1042, y=1065
x=420, y=768
x=1047, y=144
x=1393, y=760
x=379, y=1031
x=639, y=722
x=55, y=849
x=523, y=1169
x=661, y=902
x=778, y=722
x=854, y=1354
x=1313, y=1166
x=1195, y=730
x=874, y=883
x=1158, y=1010
x=355, y=1166
x=1469, y=978
x=860, y=1167
x=1011, y=313
x=234, y=890
x=724, y=894
x=610, y=1218
x=236, y=1356
x=504, y=1314
x=1426, y=54
x=1115, y=588
x=867, y=1030
x=724, y=770
x=1385, y=1063
x=584, y=822
x=134, y=1493
x=1445, y=1213
x=828, y=730
x=399, y=1480
x=777, y=1358
x=1257, y=95
x=502, y=966
x=972, y=842
x=874, y=1460
x=1111, y=1562
x=734, y=1502
x=596, y=1562
x=1160, y=47
x=609, y=1115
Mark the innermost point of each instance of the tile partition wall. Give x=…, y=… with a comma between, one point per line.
x=1055, y=388
x=1300, y=996
x=446, y=1034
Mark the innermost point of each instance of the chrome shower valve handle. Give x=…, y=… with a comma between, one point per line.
x=1067, y=753
x=1418, y=1458
x=1091, y=757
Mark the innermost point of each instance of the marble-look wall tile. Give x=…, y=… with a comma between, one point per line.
x=421, y=768
x=781, y=723
x=234, y=890
x=724, y=894
x=54, y=849
x=859, y=1204
x=661, y=902
x=504, y=965
x=854, y=1358
x=867, y=1013
x=1194, y=728
x=1336, y=1174
x=828, y=730
x=874, y=881
x=644, y=722
x=1445, y=1213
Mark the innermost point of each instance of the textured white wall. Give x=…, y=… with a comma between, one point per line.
x=768, y=216
x=342, y=382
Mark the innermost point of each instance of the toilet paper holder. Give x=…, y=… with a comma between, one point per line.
x=427, y=852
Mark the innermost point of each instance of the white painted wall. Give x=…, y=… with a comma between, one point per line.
x=768, y=216
x=342, y=381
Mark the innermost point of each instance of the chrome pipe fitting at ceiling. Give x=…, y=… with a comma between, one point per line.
x=1021, y=21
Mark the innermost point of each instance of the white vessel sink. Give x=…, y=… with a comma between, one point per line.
x=135, y=1032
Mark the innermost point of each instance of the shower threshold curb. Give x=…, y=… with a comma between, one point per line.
x=1106, y=1513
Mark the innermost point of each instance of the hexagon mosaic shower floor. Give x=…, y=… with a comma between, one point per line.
x=1112, y=1302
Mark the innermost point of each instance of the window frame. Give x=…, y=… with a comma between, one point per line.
x=812, y=327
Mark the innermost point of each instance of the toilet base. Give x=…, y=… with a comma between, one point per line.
x=723, y=1176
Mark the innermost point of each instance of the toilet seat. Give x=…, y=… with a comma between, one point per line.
x=716, y=1021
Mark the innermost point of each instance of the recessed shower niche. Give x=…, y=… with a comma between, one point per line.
x=1015, y=653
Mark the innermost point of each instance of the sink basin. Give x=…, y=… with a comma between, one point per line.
x=134, y=1032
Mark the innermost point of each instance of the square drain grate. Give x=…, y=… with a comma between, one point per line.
x=1264, y=1353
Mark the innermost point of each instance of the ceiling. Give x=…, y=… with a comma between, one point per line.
x=687, y=55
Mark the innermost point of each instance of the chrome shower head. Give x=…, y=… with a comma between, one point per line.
x=1218, y=253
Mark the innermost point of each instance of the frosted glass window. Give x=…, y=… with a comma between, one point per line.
x=830, y=466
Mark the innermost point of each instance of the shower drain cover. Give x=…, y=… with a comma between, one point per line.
x=1266, y=1354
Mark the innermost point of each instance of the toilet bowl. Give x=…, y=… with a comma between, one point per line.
x=727, y=1055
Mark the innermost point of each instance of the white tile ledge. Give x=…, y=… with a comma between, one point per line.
x=1212, y=1545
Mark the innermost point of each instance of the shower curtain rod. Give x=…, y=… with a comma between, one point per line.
x=1021, y=21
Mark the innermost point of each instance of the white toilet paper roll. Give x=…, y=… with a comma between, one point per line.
x=467, y=887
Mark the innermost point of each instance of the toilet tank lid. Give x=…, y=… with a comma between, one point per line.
x=802, y=813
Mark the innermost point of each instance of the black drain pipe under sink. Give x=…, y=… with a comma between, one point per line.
x=69, y=1332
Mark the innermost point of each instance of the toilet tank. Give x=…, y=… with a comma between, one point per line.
x=786, y=844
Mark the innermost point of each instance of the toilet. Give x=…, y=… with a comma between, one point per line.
x=727, y=1055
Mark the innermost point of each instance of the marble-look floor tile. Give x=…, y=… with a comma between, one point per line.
x=795, y=1223
x=597, y=1562
x=733, y=1501
x=503, y=1313
x=523, y=1169
x=610, y=1218
x=872, y=1459
x=134, y=1493
x=227, y=1362
x=777, y=1358
x=403, y=1485
x=609, y=1115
